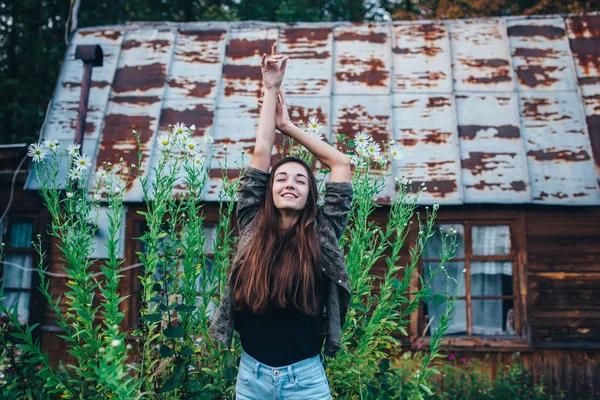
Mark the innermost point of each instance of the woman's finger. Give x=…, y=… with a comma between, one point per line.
x=263, y=60
x=274, y=49
x=284, y=63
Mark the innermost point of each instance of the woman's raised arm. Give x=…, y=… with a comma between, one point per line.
x=336, y=161
x=273, y=69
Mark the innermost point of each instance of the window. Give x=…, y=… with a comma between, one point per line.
x=488, y=303
x=17, y=267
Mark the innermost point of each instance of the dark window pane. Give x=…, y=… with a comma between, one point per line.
x=491, y=278
x=458, y=318
x=22, y=298
x=441, y=283
x=491, y=240
x=433, y=247
x=20, y=233
x=493, y=317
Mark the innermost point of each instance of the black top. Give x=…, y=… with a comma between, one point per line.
x=281, y=337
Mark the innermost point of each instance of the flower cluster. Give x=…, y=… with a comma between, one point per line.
x=367, y=149
x=79, y=163
x=180, y=139
x=315, y=128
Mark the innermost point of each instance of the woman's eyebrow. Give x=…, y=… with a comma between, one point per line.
x=285, y=173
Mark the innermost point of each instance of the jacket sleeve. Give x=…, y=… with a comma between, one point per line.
x=251, y=194
x=337, y=206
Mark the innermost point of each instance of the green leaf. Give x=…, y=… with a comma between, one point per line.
x=426, y=389
x=403, y=330
x=152, y=317
x=186, y=351
x=173, y=332
x=169, y=385
x=165, y=351
x=183, y=309
x=438, y=298
x=351, y=143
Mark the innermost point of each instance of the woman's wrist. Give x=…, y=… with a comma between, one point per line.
x=286, y=128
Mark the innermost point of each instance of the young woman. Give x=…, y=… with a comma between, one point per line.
x=288, y=291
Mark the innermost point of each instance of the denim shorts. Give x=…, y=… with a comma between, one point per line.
x=304, y=380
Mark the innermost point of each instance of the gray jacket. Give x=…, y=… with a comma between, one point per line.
x=332, y=218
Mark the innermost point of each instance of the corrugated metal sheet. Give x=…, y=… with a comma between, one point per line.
x=540, y=54
x=363, y=59
x=584, y=39
x=480, y=56
x=494, y=166
x=425, y=128
x=422, y=58
x=498, y=110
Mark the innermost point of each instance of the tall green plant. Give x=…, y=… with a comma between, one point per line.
x=173, y=355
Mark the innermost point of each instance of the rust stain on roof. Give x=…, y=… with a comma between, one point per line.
x=469, y=132
x=214, y=35
x=550, y=32
x=294, y=36
x=535, y=75
x=560, y=155
x=140, y=77
x=372, y=37
x=585, y=45
x=479, y=162
x=243, y=48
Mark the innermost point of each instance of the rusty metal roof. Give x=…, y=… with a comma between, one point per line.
x=495, y=110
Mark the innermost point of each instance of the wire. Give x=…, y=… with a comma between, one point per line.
x=14, y=178
x=65, y=275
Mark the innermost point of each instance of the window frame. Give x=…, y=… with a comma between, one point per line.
x=516, y=222
x=36, y=303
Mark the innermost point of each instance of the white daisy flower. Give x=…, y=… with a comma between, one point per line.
x=192, y=128
x=82, y=162
x=314, y=125
x=373, y=149
x=101, y=175
x=179, y=129
x=198, y=161
x=361, y=139
x=115, y=343
x=76, y=174
x=164, y=142
x=117, y=190
x=52, y=144
x=70, y=195
x=404, y=181
x=208, y=139
x=436, y=206
x=37, y=151
x=381, y=159
x=395, y=152
x=73, y=149
x=361, y=151
x=97, y=197
x=192, y=145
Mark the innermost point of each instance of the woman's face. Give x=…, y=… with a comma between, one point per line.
x=290, y=186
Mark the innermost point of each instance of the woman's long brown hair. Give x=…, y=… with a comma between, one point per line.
x=281, y=268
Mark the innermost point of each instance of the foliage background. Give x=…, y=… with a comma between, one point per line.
x=34, y=33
